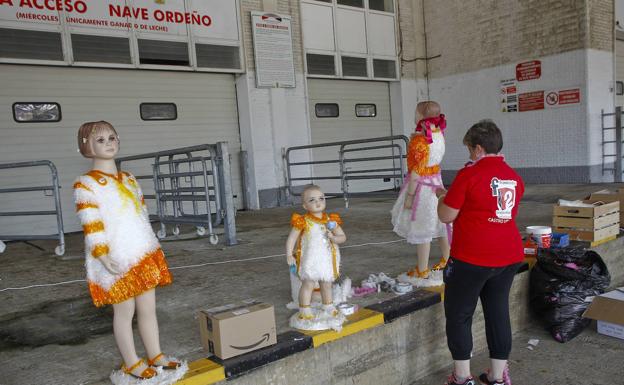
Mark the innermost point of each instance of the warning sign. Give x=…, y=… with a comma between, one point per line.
x=529, y=70
x=531, y=101
x=509, y=95
x=562, y=98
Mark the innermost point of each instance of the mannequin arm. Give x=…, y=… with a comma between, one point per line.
x=337, y=235
x=93, y=227
x=411, y=190
x=290, y=245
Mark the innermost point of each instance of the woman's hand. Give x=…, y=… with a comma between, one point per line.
x=110, y=265
x=440, y=191
x=290, y=260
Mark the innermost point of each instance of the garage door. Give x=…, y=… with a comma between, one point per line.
x=333, y=118
x=206, y=113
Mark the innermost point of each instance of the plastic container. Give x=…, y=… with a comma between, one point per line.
x=560, y=240
x=540, y=235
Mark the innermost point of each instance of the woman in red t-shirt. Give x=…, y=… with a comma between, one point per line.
x=486, y=252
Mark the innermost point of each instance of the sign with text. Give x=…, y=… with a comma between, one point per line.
x=562, y=98
x=531, y=101
x=206, y=18
x=509, y=95
x=273, y=52
x=529, y=70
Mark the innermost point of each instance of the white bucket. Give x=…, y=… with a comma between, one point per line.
x=540, y=235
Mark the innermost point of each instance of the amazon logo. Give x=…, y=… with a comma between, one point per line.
x=265, y=337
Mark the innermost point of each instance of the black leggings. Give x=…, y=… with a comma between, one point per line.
x=464, y=285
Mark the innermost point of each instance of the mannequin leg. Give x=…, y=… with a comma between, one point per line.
x=327, y=292
x=122, y=329
x=445, y=248
x=305, y=293
x=422, y=251
x=148, y=323
x=305, y=297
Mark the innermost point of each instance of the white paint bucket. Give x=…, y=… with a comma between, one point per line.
x=540, y=235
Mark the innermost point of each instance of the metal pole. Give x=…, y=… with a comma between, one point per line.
x=225, y=182
x=618, y=144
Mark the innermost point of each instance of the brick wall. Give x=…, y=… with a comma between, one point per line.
x=475, y=34
x=601, y=24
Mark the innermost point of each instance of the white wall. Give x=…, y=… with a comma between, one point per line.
x=270, y=120
x=546, y=138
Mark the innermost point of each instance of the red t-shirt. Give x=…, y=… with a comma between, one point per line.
x=487, y=195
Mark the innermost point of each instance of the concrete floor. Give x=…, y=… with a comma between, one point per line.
x=590, y=358
x=54, y=335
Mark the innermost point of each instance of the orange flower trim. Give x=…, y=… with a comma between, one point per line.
x=93, y=227
x=336, y=218
x=82, y=206
x=152, y=271
x=82, y=186
x=99, y=250
x=297, y=221
x=418, y=156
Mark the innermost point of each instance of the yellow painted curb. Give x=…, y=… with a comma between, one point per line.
x=362, y=320
x=203, y=372
x=436, y=289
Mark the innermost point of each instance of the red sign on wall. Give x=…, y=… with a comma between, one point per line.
x=531, y=101
x=571, y=96
x=529, y=70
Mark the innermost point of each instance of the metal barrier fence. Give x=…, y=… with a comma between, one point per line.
x=48, y=190
x=393, y=148
x=192, y=185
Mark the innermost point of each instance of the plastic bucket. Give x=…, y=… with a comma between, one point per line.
x=540, y=235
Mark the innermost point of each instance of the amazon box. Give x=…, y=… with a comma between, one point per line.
x=234, y=329
x=608, y=310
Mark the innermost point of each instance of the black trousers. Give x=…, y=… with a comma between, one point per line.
x=464, y=285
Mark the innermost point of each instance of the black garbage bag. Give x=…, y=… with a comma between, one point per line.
x=561, y=283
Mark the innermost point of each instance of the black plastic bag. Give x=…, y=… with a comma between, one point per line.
x=561, y=283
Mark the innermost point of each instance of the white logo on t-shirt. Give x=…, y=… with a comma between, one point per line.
x=505, y=193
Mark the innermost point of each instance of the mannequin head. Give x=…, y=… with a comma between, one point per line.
x=98, y=140
x=427, y=109
x=313, y=199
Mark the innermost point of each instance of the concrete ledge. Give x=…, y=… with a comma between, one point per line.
x=288, y=343
x=393, y=342
x=362, y=320
x=405, y=304
x=202, y=372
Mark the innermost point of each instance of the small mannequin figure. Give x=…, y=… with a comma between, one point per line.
x=124, y=261
x=312, y=248
x=414, y=215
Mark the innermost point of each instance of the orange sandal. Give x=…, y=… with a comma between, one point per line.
x=171, y=365
x=416, y=273
x=441, y=265
x=145, y=374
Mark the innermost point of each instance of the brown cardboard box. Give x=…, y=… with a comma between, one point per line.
x=610, y=196
x=230, y=330
x=608, y=310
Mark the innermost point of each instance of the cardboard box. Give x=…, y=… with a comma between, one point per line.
x=608, y=310
x=609, y=196
x=231, y=330
x=592, y=224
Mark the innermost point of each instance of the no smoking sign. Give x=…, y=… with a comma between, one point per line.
x=552, y=98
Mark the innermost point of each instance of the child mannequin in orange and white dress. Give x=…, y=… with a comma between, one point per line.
x=414, y=215
x=124, y=261
x=312, y=246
